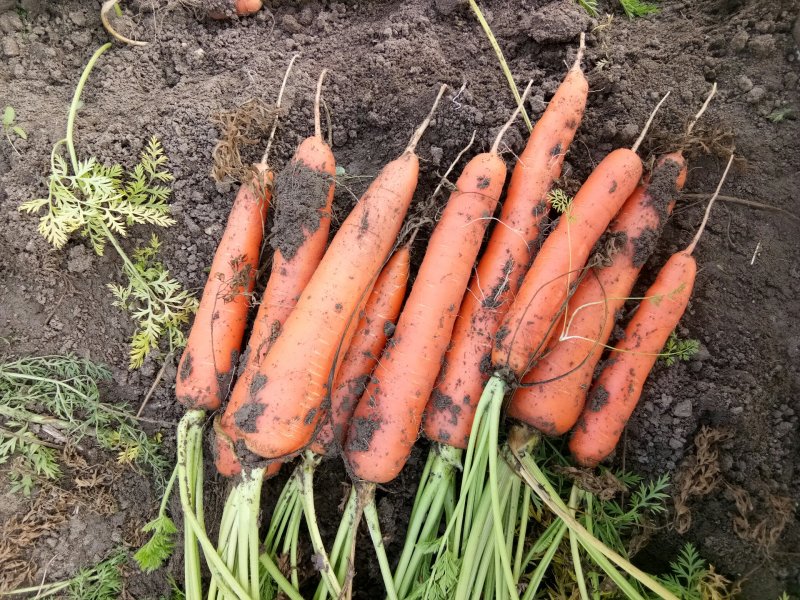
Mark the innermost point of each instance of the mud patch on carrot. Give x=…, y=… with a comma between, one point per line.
x=246, y=417
x=388, y=329
x=186, y=366
x=258, y=382
x=492, y=299
x=598, y=398
x=662, y=190
x=644, y=245
x=309, y=418
x=443, y=402
x=485, y=365
x=361, y=431
x=300, y=195
x=247, y=458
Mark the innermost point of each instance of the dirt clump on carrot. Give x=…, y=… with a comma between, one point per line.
x=299, y=198
x=361, y=431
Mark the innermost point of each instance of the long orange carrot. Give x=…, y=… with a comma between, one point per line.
x=285, y=397
x=508, y=255
x=386, y=421
x=212, y=350
x=552, y=394
x=531, y=321
x=617, y=390
x=377, y=324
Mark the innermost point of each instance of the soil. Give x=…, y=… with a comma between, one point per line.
x=386, y=60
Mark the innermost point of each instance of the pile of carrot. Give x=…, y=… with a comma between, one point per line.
x=351, y=353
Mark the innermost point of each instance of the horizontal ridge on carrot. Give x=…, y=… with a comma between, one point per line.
x=617, y=389
x=281, y=413
x=303, y=194
x=505, y=260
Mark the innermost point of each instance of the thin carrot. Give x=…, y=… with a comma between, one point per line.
x=376, y=325
x=552, y=394
x=531, y=320
x=303, y=197
x=617, y=390
x=212, y=350
x=285, y=397
x=386, y=421
x=508, y=255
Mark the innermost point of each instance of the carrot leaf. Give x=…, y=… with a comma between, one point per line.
x=678, y=349
x=638, y=8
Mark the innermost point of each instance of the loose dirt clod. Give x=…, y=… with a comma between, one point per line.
x=300, y=195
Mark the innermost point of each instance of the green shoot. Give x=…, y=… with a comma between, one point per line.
x=10, y=127
x=159, y=547
x=590, y=6
x=62, y=393
x=688, y=573
x=103, y=202
x=560, y=201
x=638, y=8
x=677, y=349
x=100, y=582
x=781, y=114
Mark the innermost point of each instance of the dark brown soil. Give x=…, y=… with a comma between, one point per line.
x=386, y=60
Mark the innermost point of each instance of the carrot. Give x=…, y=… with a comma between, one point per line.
x=387, y=419
x=280, y=415
x=303, y=197
x=617, y=390
x=530, y=322
x=552, y=394
x=241, y=8
x=508, y=254
x=376, y=325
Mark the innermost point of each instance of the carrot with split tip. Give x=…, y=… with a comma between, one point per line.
x=552, y=394
x=376, y=325
x=386, y=421
x=280, y=415
x=508, y=254
x=617, y=389
x=531, y=320
x=303, y=198
x=212, y=349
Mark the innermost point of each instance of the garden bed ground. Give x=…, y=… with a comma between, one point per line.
x=386, y=59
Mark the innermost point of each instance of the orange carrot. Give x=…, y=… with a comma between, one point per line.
x=375, y=327
x=303, y=196
x=281, y=413
x=617, y=390
x=508, y=254
x=206, y=367
x=241, y=8
x=386, y=421
x=552, y=394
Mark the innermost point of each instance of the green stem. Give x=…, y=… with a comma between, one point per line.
x=282, y=582
x=307, y=467
x=590, y=528
x=575, y=550
x=523, y=530
x=76, y=99
x=544, y=563
x=374, y=526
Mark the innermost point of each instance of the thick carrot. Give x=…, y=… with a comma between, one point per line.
x=285, y=397
x=241, y=8
x=386, y=421
x=508, y=255
x=377, y=324
x=552, y=394
x=617, y=389
x=303, y=197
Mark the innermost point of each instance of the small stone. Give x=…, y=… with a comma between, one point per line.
x=736, y=410
x=80, y=260
x=744, y=83
x=10, y=47
x=739, y=41
x=755, y=94
x=290, y=24
x=78, y=17
x=10, y=22
x=436, y=155
x=762, y=46
x=683, y=409
x=537, y=104
x=675, y=443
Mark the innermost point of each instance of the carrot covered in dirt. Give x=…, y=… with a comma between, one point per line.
x=617, y=389
x=552, y=394
x=303, y=197
x=281, y=413
x=508, y=254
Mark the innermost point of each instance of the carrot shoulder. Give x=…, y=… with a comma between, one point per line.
x=386, y=422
